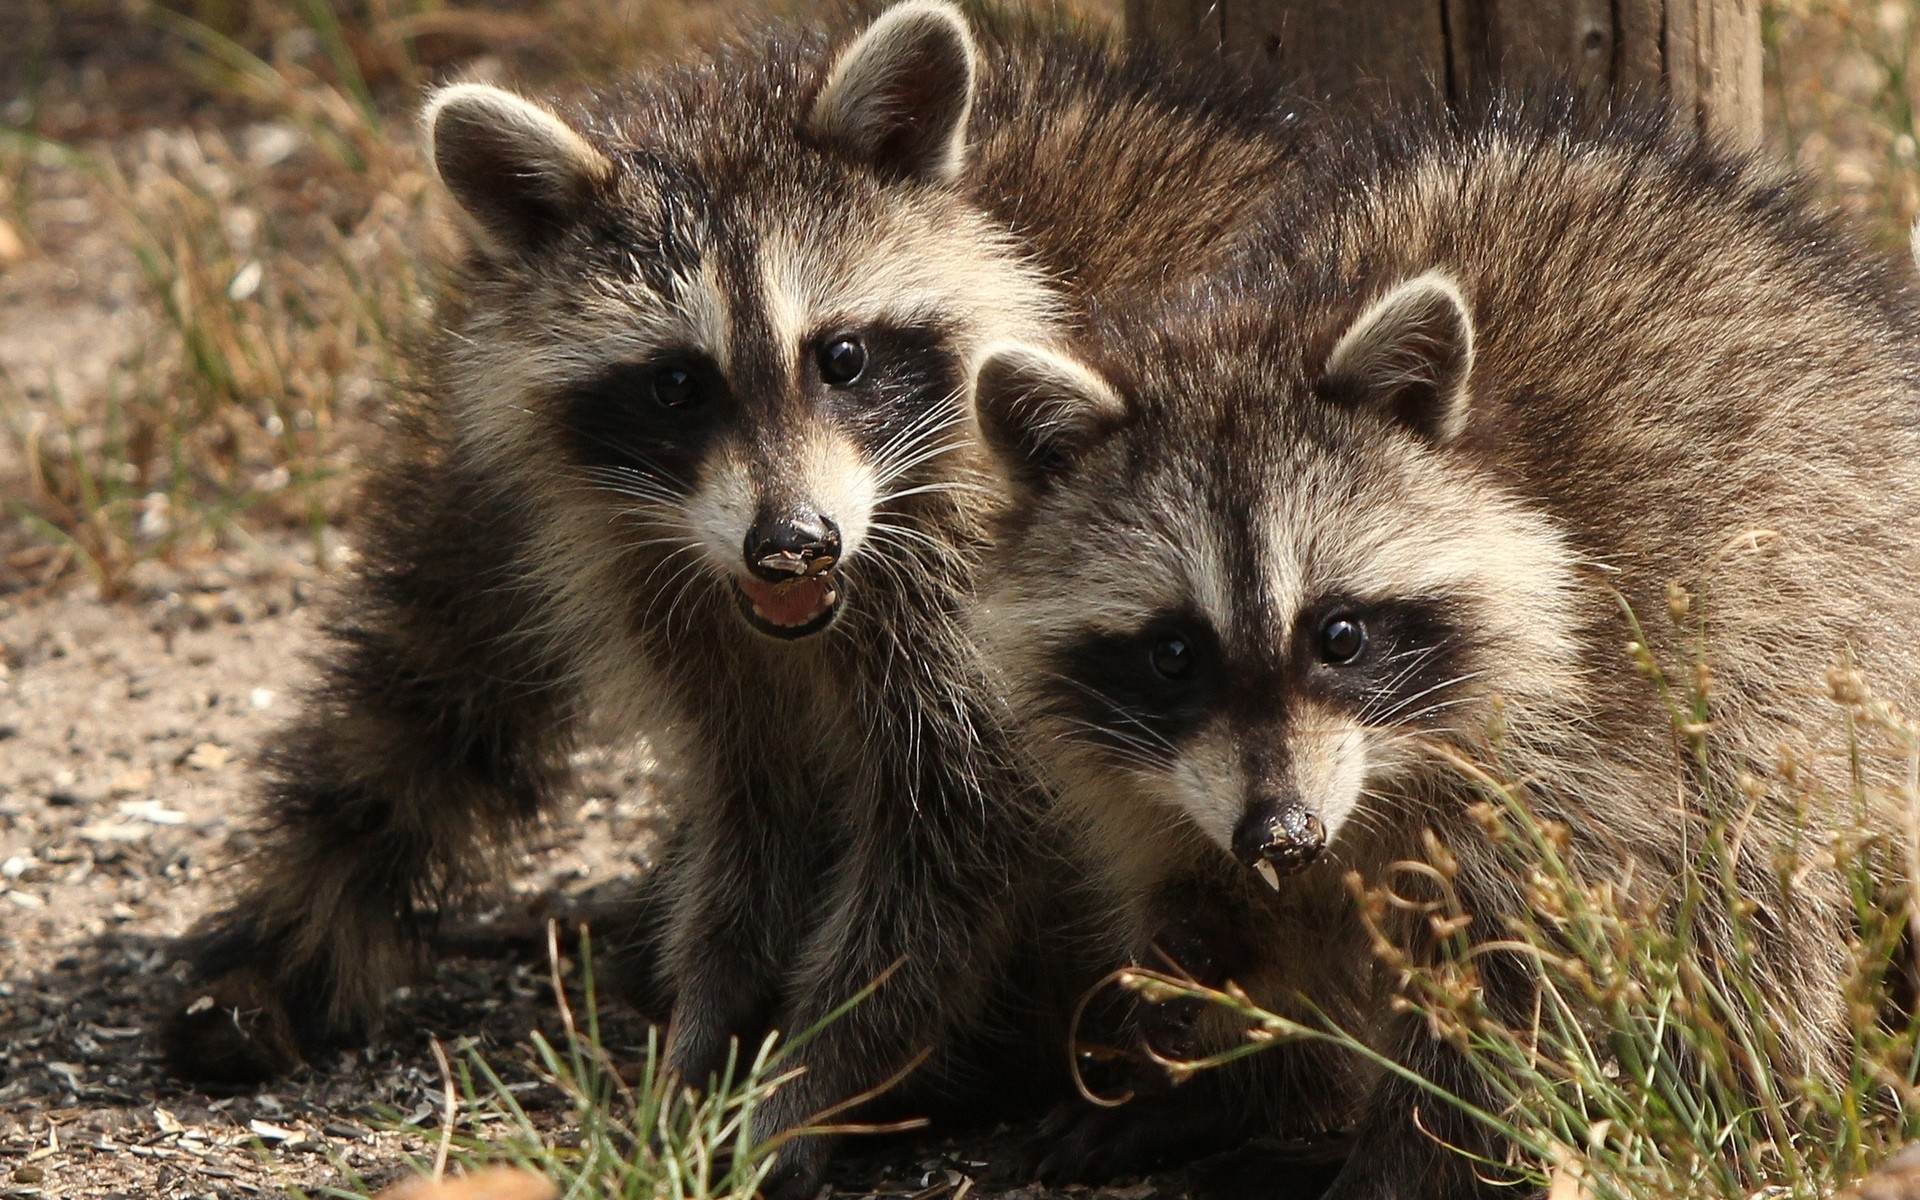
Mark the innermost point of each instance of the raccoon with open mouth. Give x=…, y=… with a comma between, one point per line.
x=1285, y=551
x=695, y=461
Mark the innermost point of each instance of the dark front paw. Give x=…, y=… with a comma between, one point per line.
x=799, y=1168
x=249, y=1017
x=1085, y=1143
x=234, y=1030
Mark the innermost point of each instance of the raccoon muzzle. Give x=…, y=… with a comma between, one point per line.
x=1278, y=838
x=791, y=590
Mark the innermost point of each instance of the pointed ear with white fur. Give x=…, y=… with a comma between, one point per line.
x=898, y=98
x=1408, y=357
x=518, y=171
x=1038, y=409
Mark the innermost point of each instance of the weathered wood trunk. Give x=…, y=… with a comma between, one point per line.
x=1702, y=55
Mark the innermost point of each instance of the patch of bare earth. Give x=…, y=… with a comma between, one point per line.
x=126, y=733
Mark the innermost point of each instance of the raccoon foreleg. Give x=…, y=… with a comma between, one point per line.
x=743, y=884
x=923, y=903
x=433, y=734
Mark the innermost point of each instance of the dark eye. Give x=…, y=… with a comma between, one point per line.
x=842, y=360
x=1342, y=639
x=675, y=387
x=1171, y=657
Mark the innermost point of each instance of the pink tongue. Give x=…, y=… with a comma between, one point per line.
x=794, y=602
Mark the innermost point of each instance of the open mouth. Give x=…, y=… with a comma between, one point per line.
x=792, y=608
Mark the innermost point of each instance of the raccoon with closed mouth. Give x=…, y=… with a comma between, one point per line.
x=694, y=462
x=1285, y=551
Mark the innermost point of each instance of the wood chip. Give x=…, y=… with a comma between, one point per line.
x=13, y=247
x=494, y=1183
x=207, y=757
x=268, y=1132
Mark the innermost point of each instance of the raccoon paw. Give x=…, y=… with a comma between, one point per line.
x=232, y=1031
x=799, y=1168
x=1082, y=1143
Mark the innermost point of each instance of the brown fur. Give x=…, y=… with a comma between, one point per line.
x=1502, y=378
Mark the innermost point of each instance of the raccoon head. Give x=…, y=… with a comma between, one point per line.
x=1252, y=575
x=725, y=317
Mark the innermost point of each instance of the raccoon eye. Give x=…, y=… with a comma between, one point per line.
x=675, y=387
x=1342, y=639
x=842, y=360
x=1171, y=657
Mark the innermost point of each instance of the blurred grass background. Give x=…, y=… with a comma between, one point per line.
x=215, y=233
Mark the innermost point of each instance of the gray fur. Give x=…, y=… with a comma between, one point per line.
x=1634, y=361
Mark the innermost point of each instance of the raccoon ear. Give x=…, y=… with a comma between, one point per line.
x=1038, y=409
x=898, y=98
x=519, y=172
x=1409, y=356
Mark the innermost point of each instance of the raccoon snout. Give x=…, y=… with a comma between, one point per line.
x=792, y=545
x=1278, y=838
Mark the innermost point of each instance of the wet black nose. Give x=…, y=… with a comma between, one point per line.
x=783, y=546
x=1280, y=832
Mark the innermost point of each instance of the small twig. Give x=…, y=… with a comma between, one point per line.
x=453, y=1103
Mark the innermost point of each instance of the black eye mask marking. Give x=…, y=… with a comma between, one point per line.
x=656, y=418
x=880, y=380
x=1395, y=662
x=1140, y=694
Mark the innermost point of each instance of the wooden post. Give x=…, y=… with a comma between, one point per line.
x=1703, y=55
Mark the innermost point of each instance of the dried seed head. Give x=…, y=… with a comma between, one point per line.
x=1679, y=602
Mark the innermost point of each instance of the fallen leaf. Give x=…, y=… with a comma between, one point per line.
x=494, y=1183
x=126, y=783
x=207, y=757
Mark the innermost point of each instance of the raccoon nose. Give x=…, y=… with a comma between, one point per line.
x=787, y=546
x=1278, y=837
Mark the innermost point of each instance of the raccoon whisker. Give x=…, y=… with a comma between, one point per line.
x=1129, y=752
x=920, y=430
x=878, y=528
x=925, y=454
x=1416, y=658
x=637, y=488
x=1401, y=704
x=681, y=540
x=678, y=586
x=660, y=566
x=948, y=485
x=918, y=444
x=652, y=472
x=1158, y=739
x=633, y=487
x=1432, y=710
